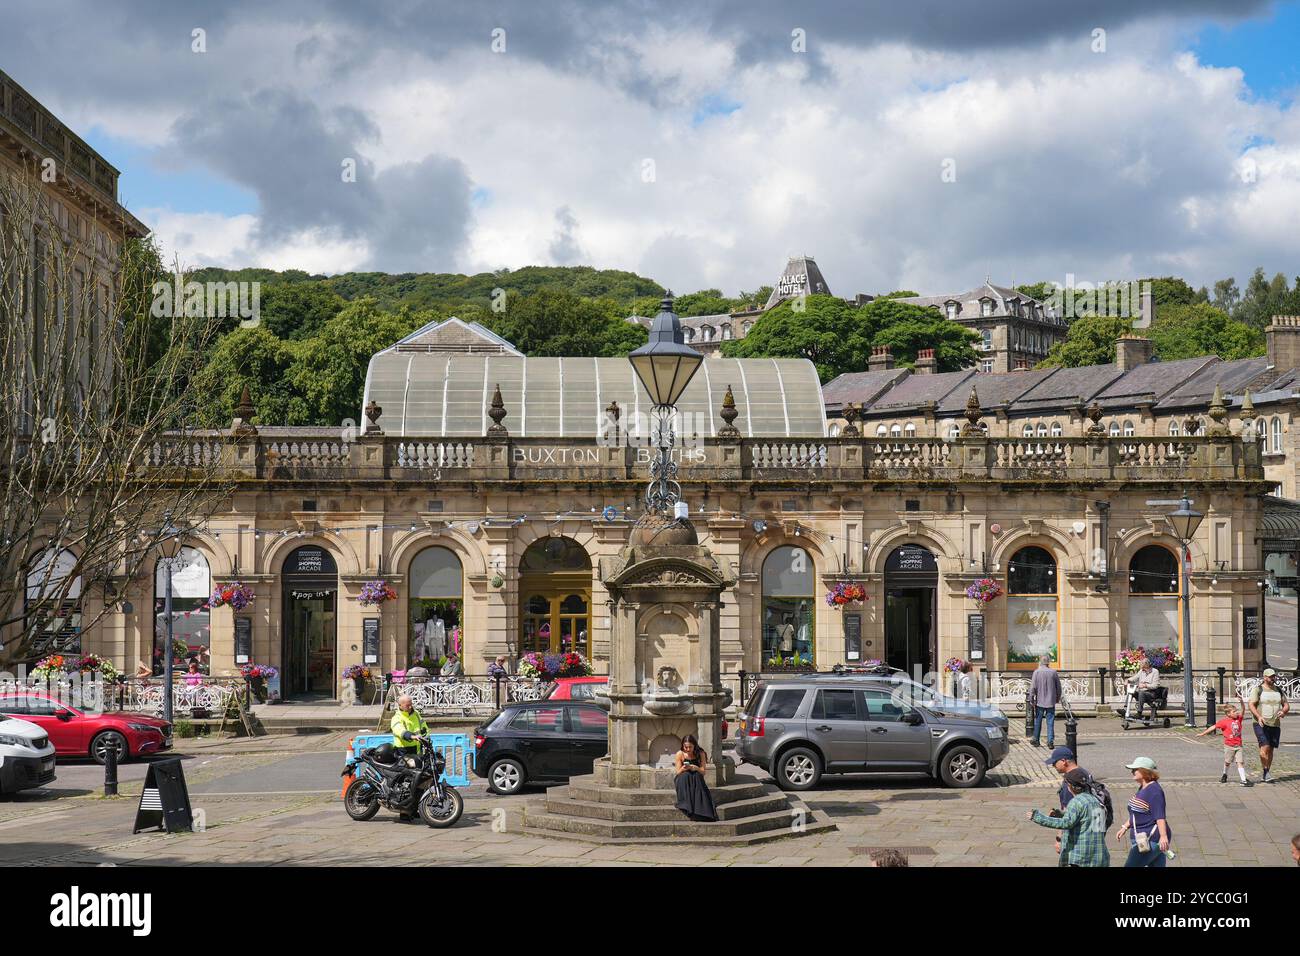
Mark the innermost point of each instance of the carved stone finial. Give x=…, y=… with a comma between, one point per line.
x=373, y=410
x=972, y=428
x=1192, y=426
x=497, y=412
x=1218, y=413
x=728, y=414
x=242, y=426
x=852, y=412
x=1247, y=406
x=1094, y=412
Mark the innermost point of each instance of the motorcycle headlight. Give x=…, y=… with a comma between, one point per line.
x=410, y=762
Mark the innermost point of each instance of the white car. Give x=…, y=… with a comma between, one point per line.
x=26, y=756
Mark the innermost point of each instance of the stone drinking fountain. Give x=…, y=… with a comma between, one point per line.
x=665, y=593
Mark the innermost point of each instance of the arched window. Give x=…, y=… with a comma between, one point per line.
x=895, y=431
x=835, y=430
x=1114, y=429
x=1029, y=429
x=1128, y=429
x=788, y=605
x=910, y=430
x=1056, y=429
x=1277, y=435
x=191, y=619
x=1153, y=618
x=436, y=589
x=1033, y=608
x=52, y=605
x=987, y=336
x=955, y=431
x=1173, y=427
x=881, y=431
x=1042, y=430
x=555, y=585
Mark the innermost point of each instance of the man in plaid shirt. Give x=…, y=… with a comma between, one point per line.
x=1083, y=840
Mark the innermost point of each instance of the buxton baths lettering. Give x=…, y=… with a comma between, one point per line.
x=683, y=456
x=74, y=909
x=556, y=456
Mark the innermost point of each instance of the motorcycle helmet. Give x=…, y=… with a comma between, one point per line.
x=384, y=753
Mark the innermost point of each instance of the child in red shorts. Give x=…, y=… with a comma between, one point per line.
x=1230, y=727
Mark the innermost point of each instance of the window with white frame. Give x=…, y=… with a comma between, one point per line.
x=881, y=431
x=910, y=430
x=986, y=306
x=1128, y=429
x=986, y=366
x=1056, y=429
x=1042, y=430
x=1114, y=429
x=951, y=309
x=1173, y=428
x=1029, y=429
x=987, y=336
x=895, y=430
x=1277, y=435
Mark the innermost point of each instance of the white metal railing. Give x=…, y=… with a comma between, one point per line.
x=464, y=695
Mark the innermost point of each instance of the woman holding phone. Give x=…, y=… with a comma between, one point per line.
x=693, y=797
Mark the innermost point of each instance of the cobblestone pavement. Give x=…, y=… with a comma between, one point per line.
x=1214, y=824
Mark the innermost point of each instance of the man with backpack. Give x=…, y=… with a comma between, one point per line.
x=1062, y=761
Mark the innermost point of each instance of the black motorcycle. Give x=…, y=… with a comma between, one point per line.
x=406, y=784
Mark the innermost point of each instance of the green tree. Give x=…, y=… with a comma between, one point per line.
x=907, y=328
x=827, y=331
x=328, y=372
x=1090, y=341
x=256, y=358
x=298, y=310
x=558, y=323
x=1185, y=331
x=901, y=294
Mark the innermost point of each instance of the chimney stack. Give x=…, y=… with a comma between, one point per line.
x=1022, y=365
x=925, y=363
x=1283, y=337
x=1132, y=351
x=881, y=358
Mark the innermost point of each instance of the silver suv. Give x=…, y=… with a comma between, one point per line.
x=803, y=727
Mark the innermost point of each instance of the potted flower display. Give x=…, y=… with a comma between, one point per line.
x=984, y=590
x=549, y=667
x=1164, y=659
x=375, y=593
x=846, y=592
x=235, y=594
x=94, y=664
x=50, y=668
x=359, y=674
x=257, y=675
x=795, y=662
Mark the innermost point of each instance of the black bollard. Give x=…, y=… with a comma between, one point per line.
x=110, y=771
x=1210, y=716
x=1029, y=719
x=1072, y=734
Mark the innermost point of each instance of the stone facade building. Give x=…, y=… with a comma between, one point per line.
x=486, y=488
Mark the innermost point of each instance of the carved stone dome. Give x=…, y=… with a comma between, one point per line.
x=657, y=531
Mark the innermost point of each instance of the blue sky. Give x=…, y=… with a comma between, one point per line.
x=1266, y=49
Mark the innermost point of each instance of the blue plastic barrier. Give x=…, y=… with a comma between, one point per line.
x=458, y=749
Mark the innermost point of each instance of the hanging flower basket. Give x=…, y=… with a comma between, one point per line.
x=236, y=594
x=984, y=590
x=846, y=592
x=954, y=664
x=51, y=667
x=94, y=664
x=375, y=593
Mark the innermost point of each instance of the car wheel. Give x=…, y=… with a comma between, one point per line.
x=962, y=767
x=109, y=739
x=506, y=777
x=798, y=769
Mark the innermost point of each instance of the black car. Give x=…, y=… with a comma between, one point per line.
x=540, y=741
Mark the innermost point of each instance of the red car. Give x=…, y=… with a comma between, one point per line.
x=76, y=733
x=584, y=688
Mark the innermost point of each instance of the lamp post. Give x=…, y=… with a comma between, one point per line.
x=1184, y=521
x=168, y=542
x=665, y=365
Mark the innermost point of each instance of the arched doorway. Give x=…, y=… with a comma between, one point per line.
x=911, y=593
x=788, y=606
x=309, y=581
x=1033, y=608
x=436, y=586
x=1153, y=588
x=555, y=597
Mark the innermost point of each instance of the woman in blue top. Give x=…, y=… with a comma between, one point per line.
x=1146, y=818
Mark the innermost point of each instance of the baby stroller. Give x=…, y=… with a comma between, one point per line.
x=1132, y=710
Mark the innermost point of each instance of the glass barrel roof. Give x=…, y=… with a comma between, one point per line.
x=432, y=394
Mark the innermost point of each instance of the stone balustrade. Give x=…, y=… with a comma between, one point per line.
x=1059, y=459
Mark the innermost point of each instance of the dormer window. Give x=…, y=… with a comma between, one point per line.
x=726, y=332
x=951, y=309
x=986, y=307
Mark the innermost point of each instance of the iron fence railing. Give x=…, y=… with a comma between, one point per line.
x=211, y=695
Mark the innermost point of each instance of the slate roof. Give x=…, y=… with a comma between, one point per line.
x=1151, y=381
x=970, y=301
x=918, y=390
x=995, y=391
x=864, y=387
x=800, y=275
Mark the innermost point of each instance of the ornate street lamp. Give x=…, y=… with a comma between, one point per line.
x=1184, y=521
x=665, y=365
x=168, y=541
